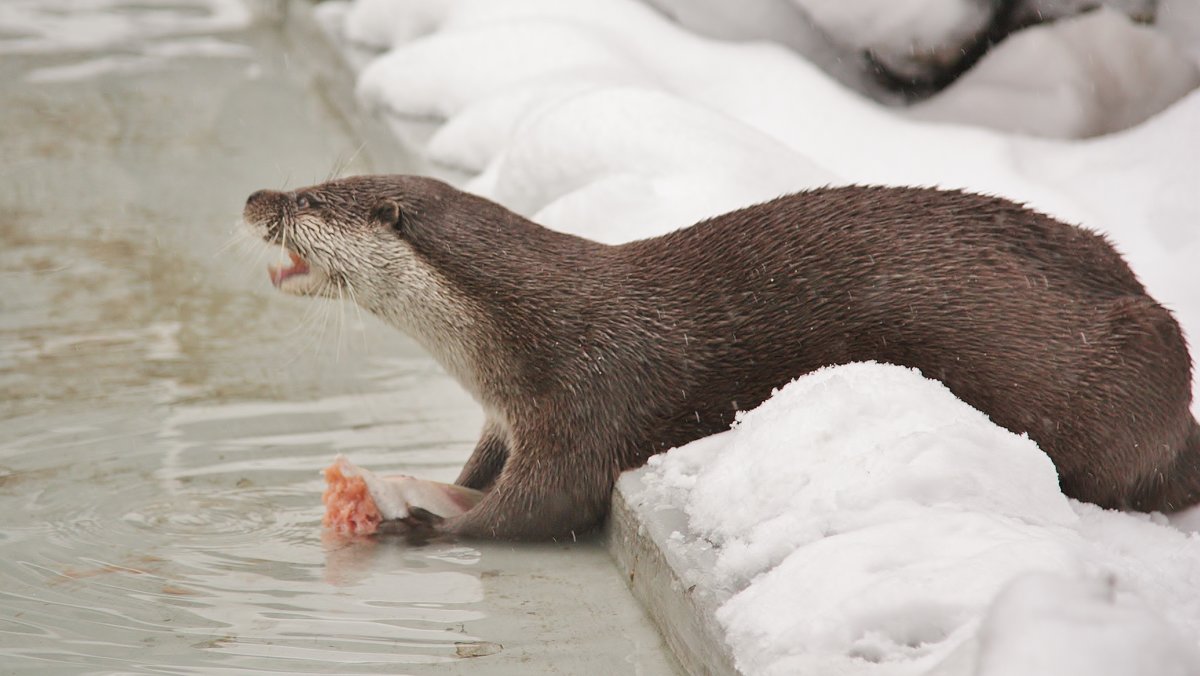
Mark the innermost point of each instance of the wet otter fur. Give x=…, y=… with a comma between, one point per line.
x=589, y=358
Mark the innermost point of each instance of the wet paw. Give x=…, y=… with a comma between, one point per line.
x=419, y=527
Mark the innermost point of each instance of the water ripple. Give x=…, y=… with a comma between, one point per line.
x=206, y=535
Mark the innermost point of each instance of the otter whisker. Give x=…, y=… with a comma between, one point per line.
x=339, y=165
x=305, y=333
x=341, y=312
x=295, y=355
x=254, y=249
x=362, y=326
x=327, y=310
x=283, y=247
x=305, y=324
x=240, y=239
x=237, y=237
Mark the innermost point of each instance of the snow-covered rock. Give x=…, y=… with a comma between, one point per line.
x=1060, y=626
x=914, y=39
x=1043, y=67
x=1087, y=75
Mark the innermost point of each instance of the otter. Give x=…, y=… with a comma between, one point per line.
x=589, y=358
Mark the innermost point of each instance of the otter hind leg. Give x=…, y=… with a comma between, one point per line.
x=487, y=461
x=1177, y=485
x=1133, y=434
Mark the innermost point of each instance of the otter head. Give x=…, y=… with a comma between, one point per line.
x=340, y=236
x=356, y=238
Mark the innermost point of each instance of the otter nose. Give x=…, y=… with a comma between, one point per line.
x=258, y=196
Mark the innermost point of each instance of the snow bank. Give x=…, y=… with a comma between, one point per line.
x=906, y=37
x=863, y=520
x=1091, y=74
x=1045, y=624
x=1077, y=73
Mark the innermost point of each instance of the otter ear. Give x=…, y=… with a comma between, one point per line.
x=388, y=213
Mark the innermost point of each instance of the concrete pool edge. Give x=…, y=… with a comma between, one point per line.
x=636, y=540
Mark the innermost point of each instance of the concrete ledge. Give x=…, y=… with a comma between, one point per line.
x=659, y=577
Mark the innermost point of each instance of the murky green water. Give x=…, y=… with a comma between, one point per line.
x=164, y=413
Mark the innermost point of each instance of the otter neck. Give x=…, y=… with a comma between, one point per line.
x=452, y=330
x=507, y=306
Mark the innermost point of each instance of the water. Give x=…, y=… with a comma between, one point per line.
x=164, y=413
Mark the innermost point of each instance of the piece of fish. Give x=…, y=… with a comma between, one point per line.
x=357, y=500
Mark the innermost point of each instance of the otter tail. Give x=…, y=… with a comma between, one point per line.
x=1179, y=486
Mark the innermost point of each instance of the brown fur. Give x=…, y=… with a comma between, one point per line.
x=590, y=358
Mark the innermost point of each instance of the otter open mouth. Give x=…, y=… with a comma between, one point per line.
x=298, y=277
x=280, y=273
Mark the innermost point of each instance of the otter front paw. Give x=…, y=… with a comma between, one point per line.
x=419, y=526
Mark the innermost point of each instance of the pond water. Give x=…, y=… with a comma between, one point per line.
x=164, y=414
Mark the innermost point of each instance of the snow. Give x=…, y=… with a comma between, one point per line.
x=863, y=520
x=1110, y=632
x=905, y=36
x=1087, y=75
x=1058, y=80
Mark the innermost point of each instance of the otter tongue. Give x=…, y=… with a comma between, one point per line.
x=279, y=273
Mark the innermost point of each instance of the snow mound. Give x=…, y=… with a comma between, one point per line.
x=864, y=520
x=1088, y=75
x=690, y=164
x=1109, y=633
x=855, y=447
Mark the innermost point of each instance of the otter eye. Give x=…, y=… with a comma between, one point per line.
x=305, y=201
